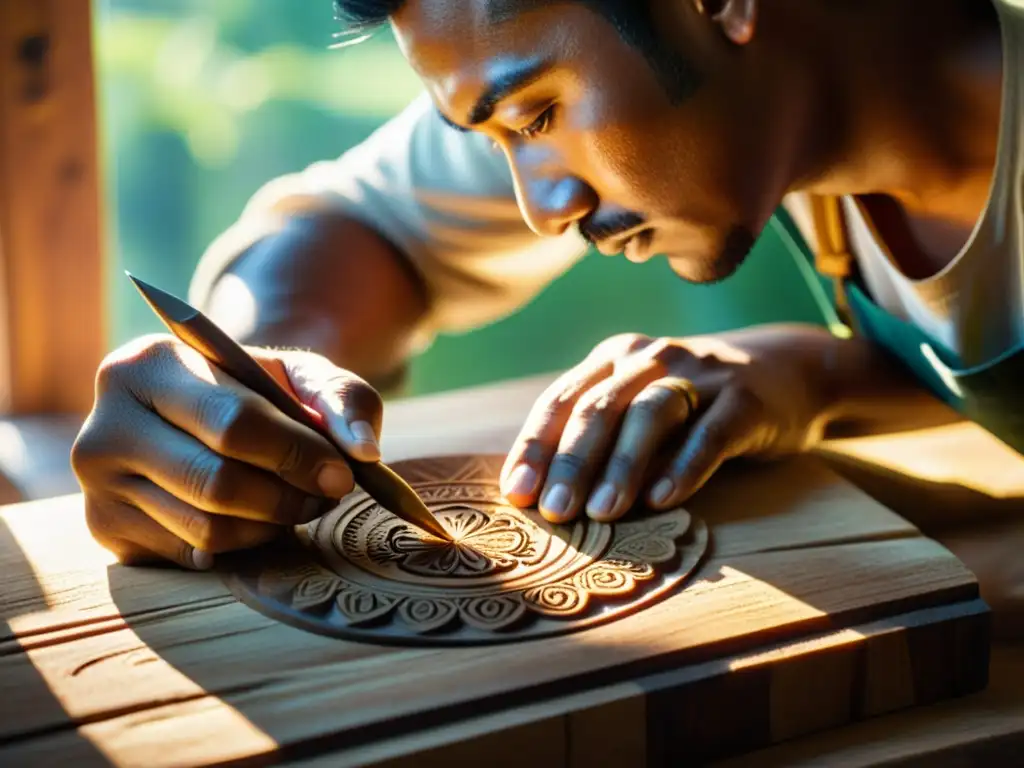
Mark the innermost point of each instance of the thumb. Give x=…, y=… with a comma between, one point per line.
x=350, y=409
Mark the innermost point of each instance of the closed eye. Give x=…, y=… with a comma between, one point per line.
x=454, y=126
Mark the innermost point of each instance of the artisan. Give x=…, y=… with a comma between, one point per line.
x=885, y=139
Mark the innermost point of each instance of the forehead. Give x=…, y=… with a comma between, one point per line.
x=449, y=43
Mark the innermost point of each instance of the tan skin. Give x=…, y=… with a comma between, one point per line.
x=179, y=464
x=595, y=133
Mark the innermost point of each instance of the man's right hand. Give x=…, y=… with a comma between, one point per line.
x=178, y=462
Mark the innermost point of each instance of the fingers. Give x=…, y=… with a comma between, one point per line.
x=189, y=470
x=526, y=467
x=658, y=411
x=352, y=409
x=149, y=525
x=207, y=534
x=730, y=426
x=236, y=423
x=586, y=441
x=599, y=435
x=136, y=539
x=178, y=461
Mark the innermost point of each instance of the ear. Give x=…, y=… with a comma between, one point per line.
x=736, y=17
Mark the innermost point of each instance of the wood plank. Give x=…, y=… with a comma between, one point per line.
x=984, y=729
x=601, y=726
x=283, y=677
x=106, y=661
x=233, y=725
x=58, y=576
x=51, y=258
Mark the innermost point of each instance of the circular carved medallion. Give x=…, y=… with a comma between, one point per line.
x=359, y=572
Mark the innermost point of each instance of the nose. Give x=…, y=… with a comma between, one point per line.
x=550, y=205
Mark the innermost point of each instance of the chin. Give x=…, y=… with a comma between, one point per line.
x=715, y=263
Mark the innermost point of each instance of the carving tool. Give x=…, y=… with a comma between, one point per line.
x=201, y=334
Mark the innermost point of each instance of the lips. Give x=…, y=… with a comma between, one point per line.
x=635, y=246
x=638, y=247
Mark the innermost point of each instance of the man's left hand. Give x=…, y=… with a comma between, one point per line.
x=657, y=417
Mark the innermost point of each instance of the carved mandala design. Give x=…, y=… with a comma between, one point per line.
x=481, y=544
x=507, y=573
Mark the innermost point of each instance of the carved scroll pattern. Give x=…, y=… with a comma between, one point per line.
x=501, y=540
x=504, y=569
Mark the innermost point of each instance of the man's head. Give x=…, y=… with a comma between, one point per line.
x=647, y=124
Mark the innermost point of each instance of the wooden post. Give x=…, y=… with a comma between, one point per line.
x=52, y=318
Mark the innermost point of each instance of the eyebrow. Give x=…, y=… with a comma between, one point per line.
x=507, y=83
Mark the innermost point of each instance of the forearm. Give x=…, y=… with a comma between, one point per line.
x=328, y=284
x=870, y=392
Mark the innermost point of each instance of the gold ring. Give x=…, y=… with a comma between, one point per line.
x=679, y=384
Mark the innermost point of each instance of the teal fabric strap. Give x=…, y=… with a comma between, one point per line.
x=903, y=341
x=991, y=395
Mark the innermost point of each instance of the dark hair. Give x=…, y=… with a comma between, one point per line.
x=631, y=18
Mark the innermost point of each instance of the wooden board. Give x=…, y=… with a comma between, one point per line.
x=954, y=481
x=151, y=667
x=670, y=719
x=983, y=730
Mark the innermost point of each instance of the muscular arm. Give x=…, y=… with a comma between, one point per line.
x=330, y=284
x=365, y=258
x=871, y=394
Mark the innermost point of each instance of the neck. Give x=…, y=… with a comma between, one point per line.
x=919, y=110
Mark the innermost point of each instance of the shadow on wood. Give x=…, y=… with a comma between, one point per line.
x=22, y=686
x=746, y=656
x=817, y=605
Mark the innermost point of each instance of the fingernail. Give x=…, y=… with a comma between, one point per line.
x=334, y=481
x=661, y=491
x=201, y=561
x=366, y=438
x=522, y=481
x=556, y=500
x=603, y=502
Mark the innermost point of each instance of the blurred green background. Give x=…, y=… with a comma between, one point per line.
x=205, y=100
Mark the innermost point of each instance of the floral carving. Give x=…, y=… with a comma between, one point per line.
x=506, y=572
x=481, y=544
x=313, y=588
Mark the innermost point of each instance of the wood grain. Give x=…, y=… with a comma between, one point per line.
x=51, y=263
x=210, y=664
x=985, y=729
x=954, y=481
x=817, y=607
